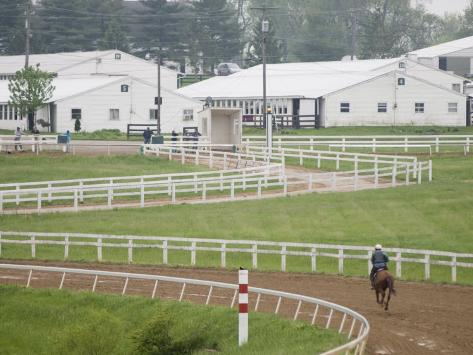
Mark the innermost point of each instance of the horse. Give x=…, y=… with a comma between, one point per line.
x=384, y=281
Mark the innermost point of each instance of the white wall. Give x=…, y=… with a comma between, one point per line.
x=364, y=99
x=134, y=107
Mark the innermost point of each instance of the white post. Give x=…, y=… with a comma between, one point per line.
x=340, y=261
x=454, y=269
x=398, y=264
x=338, y=162
x=430, y=170
x=130, y=251
x=165, y=252
x=33, y=247
x=223, y=256
x=255, y=256
x=313, y=259
x=427, y=266
x=66, y=247
x=99, y=249
x=283, y=258
x=243, y=307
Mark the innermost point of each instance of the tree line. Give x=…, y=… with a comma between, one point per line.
x=203, y=33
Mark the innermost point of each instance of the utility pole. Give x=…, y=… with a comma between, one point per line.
x=265, y=30
x=354, y=34
x=28, y=33
x=159, y=99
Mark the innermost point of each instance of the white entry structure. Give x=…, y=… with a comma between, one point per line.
x=221, y=126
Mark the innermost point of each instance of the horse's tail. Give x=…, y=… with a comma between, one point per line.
x=390, y=282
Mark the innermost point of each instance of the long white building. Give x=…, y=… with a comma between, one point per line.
x=104, y=102
x=396, y=91
x=89, y=85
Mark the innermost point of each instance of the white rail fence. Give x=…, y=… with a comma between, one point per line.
x=374, y=142
x=171, y=185
x=309, y=252
x=318, y=312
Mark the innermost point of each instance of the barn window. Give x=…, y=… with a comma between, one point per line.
x=153, y=114
x=118, y=56
x=124, y=88
x=456, y=87
x=402, y=65
x=419, y=107
x=382, y=107
x=452, y=107
x=114, y=114
x=345, y=107
x=76, y=113
x=401, y=81
x=188, y=115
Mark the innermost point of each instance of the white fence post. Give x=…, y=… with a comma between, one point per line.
x=427, y=266
x=398, y=264
x=454, y=269
x=99, y=249
x=165, y=252
x=130, y=251
x=313, y=259
x=430, y=170
x=66, y=247
x=193, y=246
x=33, y=247
x=223, y=256
x=283, y=258
x=255, y=256
x=39, y=201
x=340, y=261
x=243, y=307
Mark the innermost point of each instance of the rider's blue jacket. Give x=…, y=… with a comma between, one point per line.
x=379, y=257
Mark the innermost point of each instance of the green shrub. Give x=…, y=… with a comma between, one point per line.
x=157, y=338
x=99, y=334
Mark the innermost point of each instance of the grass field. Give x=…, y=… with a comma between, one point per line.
x=59, y=322
x=26, y=168
x=360, y=131
x=430, y=216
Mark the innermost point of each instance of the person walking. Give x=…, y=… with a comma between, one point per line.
x=147, y=136
x=18, y=146
x=68, y=141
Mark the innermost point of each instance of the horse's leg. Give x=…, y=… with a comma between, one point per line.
x=377, y=296
x=387, y=301
x=384, y=295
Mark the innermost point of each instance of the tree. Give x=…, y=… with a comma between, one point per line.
x=75, y=25
x=467, y=23
x=215, y=32
x=114, y=37
x=161, y=29
x=30, y=89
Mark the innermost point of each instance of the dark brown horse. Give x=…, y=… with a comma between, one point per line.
x=384, y=281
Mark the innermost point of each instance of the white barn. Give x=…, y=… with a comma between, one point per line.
x=396, y=91
x=455, y=56
x=104, y=102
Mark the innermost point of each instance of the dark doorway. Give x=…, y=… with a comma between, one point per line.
x=296, y=106
x=443, y=63
x=30, y=121
x=469, y=112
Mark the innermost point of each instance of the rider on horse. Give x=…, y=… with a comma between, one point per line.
x=380, y=262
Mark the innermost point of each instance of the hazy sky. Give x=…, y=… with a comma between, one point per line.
x=442, y=6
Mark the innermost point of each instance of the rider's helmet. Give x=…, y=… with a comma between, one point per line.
x=378, y=247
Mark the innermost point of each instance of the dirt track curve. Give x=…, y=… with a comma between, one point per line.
x=423, y=319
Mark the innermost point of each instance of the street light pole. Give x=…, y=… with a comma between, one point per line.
x=158, y=112
x=265, y=30
x=28, y=33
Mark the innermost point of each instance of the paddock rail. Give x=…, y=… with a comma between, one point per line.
x=309, y=252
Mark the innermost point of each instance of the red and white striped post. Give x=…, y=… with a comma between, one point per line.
x=243, y=307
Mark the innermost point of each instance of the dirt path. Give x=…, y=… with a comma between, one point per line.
x=424, y=318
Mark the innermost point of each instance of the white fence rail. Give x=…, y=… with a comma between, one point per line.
x=375, y=142
x=222, y=247
x=322, y=313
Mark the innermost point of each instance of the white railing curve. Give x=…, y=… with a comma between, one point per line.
x=349, y=323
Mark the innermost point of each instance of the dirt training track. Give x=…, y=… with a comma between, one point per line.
x=423, y=319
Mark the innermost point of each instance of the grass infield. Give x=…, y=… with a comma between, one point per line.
x=59, y=322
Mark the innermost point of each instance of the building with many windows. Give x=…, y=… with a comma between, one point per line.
x=103, y=102
x=398, y=91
